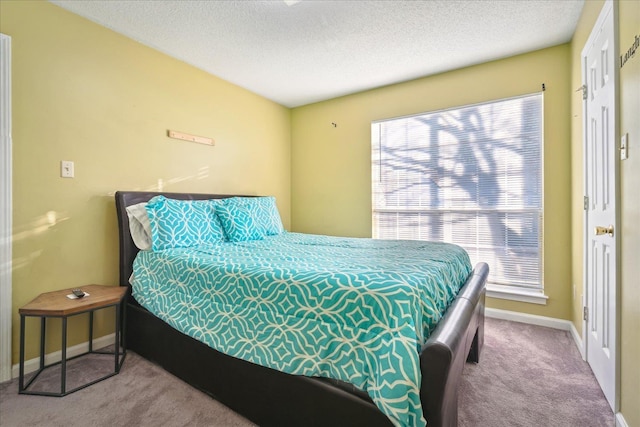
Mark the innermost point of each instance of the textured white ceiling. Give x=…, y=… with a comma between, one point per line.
x=316, y=50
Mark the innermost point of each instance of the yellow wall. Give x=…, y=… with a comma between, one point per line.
x=629, y=227
x=84, y=93
x=630, y=218
x=331, y=166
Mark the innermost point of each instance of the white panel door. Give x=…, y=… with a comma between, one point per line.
x=599, y=73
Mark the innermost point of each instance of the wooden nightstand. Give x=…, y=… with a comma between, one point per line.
x=57, y=305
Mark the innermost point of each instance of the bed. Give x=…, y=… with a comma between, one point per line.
x=270, y=397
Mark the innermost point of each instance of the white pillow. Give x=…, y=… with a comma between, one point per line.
x=139, y=226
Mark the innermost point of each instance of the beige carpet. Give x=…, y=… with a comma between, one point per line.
x=527, y=376
x=531, y=376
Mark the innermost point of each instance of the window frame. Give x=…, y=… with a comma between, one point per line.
x=534, y=295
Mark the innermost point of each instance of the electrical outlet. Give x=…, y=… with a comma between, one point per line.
x=624, y=147
x=66, y=169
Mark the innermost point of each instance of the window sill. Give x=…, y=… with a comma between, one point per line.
x=514, y=294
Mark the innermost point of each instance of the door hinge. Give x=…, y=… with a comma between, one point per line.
x=583, y=88
x=586, y=203
x=585, y=313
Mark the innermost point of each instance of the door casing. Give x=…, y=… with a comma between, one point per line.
x=5, y=208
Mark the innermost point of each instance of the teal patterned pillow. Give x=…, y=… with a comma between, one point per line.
x=183, y=223
x=249, y=218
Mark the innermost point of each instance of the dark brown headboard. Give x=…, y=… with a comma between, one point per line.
x=128, y=249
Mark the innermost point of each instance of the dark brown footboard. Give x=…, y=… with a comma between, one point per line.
x=272, y=398
x=458, y=338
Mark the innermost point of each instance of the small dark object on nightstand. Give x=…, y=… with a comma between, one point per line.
x=78, y=293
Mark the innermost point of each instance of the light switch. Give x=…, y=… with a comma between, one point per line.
x=624, y=147
x=66, y=169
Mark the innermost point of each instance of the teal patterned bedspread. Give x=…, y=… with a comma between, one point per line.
x=357, y=310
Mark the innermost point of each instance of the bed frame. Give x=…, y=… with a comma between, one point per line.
x=272, y=398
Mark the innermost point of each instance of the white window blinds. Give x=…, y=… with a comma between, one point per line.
x=470, y=176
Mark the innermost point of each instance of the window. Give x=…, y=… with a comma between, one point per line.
x=471, y=176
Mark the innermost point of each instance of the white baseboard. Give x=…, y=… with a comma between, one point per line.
x=620, y=421
x=578, y=340
x=32, y=365
x=549, y=322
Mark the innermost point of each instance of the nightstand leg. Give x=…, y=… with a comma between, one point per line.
x=21, y=374
x=117, y=349
x=124, y=330
x=43, y=332
x=90, y=331
x=63, y=362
